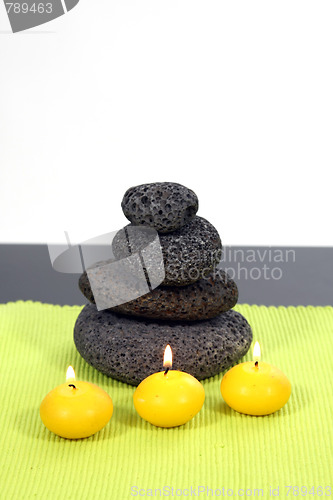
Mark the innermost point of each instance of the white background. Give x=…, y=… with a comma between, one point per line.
x=233, y=99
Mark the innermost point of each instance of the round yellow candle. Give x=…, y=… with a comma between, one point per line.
x=170, y=398
x=76, y=409
x=255, y=388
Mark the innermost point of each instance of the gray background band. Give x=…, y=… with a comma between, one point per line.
x=27, y=274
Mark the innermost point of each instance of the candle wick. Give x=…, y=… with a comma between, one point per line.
x=166, y=371
x=72, y=385
x=256, y=364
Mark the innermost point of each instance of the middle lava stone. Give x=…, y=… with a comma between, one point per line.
x=188, y=253
x=130, y=350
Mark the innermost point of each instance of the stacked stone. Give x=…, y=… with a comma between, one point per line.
x=191, y=309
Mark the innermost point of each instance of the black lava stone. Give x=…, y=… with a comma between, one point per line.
x=164, y=206
x=130, y=349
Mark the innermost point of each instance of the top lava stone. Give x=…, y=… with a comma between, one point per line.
x=164, y=206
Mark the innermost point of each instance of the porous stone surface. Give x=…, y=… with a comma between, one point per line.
x=203, y=299
x=130, y=349
x=165, y=206
x=189, y=253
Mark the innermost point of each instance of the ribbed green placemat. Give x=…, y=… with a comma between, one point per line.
x=218, y=450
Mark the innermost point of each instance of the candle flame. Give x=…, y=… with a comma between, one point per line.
x=256, y=352
x=167, y=360
x=70, y=374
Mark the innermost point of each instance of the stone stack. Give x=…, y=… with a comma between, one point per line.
x=191, y=309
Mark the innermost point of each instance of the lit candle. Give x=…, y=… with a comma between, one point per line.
x=169, y=398
x=255, y=388
x=76, y=409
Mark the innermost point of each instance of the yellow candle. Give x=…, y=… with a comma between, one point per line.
x=76, y=409
x=169, y=398
x=255, y=388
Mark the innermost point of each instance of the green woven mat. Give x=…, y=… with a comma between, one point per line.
x=218, y=450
